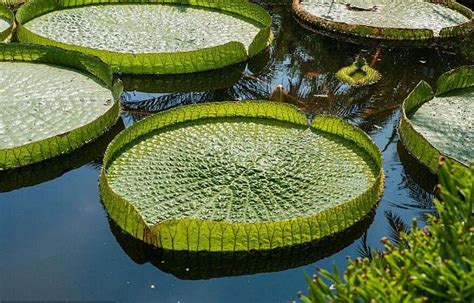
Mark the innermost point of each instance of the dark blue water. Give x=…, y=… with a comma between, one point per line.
x=56, y=242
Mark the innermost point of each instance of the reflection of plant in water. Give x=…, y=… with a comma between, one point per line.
x=206, y=265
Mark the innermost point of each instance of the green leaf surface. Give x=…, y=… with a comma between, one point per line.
x=441, y=125
x=238, y=176
x=150, y=37
x=51, y=102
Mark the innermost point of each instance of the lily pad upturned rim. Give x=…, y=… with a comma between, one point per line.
x=415, y=143
x=6, y=14
x=175, y=234
x=53, y=146
x=158, y=63
x=371, y=75
x=395, y=34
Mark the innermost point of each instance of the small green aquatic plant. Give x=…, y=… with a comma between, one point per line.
x=239, y=176
x=6, y=22
x=171, y=37
x=433, y=264
x=434, y=124
x=359, y=73
x=52, y=101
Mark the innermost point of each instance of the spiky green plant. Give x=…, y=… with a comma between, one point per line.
x=434, y=264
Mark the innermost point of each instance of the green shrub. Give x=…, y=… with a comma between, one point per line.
x=429, y=265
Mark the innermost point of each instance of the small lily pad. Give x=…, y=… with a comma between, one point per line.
x=359, y=74
x=387, y=19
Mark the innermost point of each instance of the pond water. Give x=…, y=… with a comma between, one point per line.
x=56, y=242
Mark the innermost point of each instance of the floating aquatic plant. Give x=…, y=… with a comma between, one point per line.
x=237, y=176
x=441, y=124
x=387, y=19
x=6, y=22
x=51, y=102
x=150, y=37
x=359, y=73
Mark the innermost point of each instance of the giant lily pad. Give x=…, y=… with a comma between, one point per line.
x=388, y=19
x=441, y=124
x=152, y=36
x=239, y=176
x=6, y=22
x=51, y=102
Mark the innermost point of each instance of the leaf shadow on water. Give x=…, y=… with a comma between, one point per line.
x=188, y=265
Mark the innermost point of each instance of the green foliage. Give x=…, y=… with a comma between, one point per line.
x=42, y=148
x=250, y=212
x=434, y=264
x=158, y=63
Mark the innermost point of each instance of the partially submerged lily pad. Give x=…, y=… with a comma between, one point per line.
x=388, y=19
x=239, y=176
x=6, y=22
x=441, y=124
x=161, y=37
x=359, y=73
x=51, y=102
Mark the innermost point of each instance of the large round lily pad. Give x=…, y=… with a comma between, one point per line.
x=51, y=102
x=238, y=176
x=6, y=22
x=163, y=37
x=387, y=19
x=441, y=124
